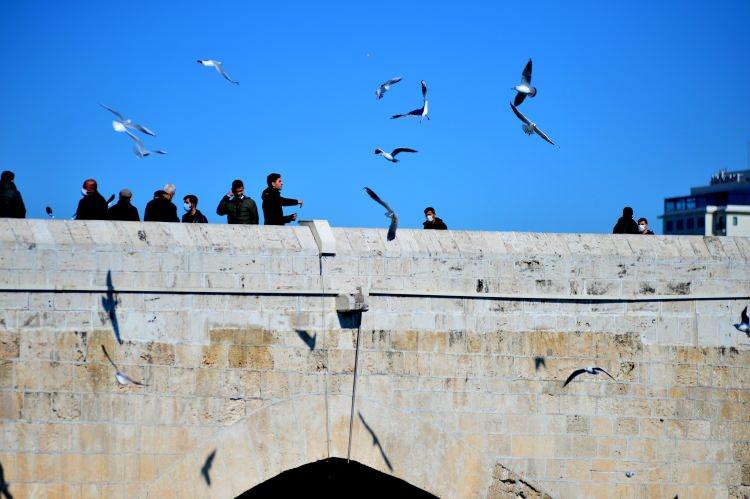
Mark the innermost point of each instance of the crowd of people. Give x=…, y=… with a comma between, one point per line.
x=235, y=205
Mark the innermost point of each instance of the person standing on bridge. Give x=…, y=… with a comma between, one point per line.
x=11, y=202
x=161, y=208
x=433, y=222
x=273, y=214
x=92, y=205
x=123, y=210
x=625, y=224
x=643, y=227
x=238, y=208
x=192, y=214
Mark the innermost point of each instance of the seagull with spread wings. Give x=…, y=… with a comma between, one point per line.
x=529, y=127
x=383, y=88
x=123, y=379
x=421, y=112
x=121, y=124
x=210, y=63
x=524, y=88
x=590, y=370
x=140, y=149
x=390, y=213
x=391, y=156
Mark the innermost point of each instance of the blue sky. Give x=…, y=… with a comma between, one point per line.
x=645, y=99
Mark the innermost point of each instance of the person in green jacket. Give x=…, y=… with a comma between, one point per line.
x=238, y=208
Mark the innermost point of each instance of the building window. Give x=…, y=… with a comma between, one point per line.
x=680, y=224
x=734, y=220
x=690, y=223
x=701, y=222
x=670, y=226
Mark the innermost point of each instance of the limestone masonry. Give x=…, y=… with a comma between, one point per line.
x=465, y=347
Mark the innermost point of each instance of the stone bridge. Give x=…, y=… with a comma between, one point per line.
x=463, y=353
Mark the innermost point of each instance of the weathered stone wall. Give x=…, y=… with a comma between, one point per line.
x=463, y=353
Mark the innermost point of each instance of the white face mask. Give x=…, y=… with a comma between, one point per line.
x=641, y=227
x=84, y=191
x=186, y=206
x=430, y=218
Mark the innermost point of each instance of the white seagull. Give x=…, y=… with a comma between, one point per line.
x=140, y=150
x=744, y=325
x=591, y=370
x=121, y=124
x=385, y=87
x=524, y=88
x=217, y=65
x=391, y=156
x=390, y=213
x=529, y=127
x=421, y=112
x=123, y=379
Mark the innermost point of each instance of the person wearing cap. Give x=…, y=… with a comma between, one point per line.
x=123, y=210
x=643, y=227
x=238, y=208
x=273, y=214
x=192, y=214
x=161, y=208
x=92, y=205
x=11, y=202
x=433, y=222
x=625, y=224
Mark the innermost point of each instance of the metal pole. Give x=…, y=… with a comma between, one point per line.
x=354, y=386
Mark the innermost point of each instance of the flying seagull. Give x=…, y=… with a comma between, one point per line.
x=385, y=87
x=140, y=149
x=206, y=468
x=123, y=379
x=421, y=113
x=744, y=325
x=121, y=124
x=217, y=65
x=391, y=156
x=529, y=127
x=524, y=88
x=590, y=370
x=390, y=213
x=48, y=209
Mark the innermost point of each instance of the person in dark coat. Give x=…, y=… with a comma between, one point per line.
x=625, y=224
x=432, y=221
x=123, y=210
x=11, y=202
x=273, y=214
x=192, y=213
x=643, y=227
x=161, y=208
x=238, y=208
x=92, y=205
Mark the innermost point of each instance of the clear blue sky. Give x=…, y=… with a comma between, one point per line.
x=645, y=99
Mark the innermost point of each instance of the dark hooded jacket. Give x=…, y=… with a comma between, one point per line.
x=436, y=224
x=92, y=207
x=238, y=210
x=273, y=214
x=625, y=225
x=124, y=211
x=198, y=218
x=11, y=202
x=160, y=209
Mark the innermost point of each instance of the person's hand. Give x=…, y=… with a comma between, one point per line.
x=294, y=216
x=299, y=202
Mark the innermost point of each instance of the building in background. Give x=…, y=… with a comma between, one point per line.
x=721, y=208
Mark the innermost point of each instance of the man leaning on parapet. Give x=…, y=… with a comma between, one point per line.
x=238, y=208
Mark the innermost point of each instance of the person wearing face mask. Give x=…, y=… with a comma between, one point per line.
x=161, y=208
x=643, y=227
x=192, y=214
x=238, y=208
x=92, y=205
x=432, y=221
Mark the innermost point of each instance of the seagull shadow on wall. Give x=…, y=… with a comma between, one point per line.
x=539, y=362
x=109, y=303
x=207, y=467
x=375, y=441
x=309, y=340
x=4, y=485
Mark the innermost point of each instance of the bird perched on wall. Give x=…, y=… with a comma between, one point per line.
x=391, y=156
x=744, y=324
x=390, y=213
x=210, y=63
x=384, y=87
x=121, y=124
x=524, y=88
x=421, y=112
x=590, y=370
x=529, y=127
x=49, y=212
x=122, y=378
